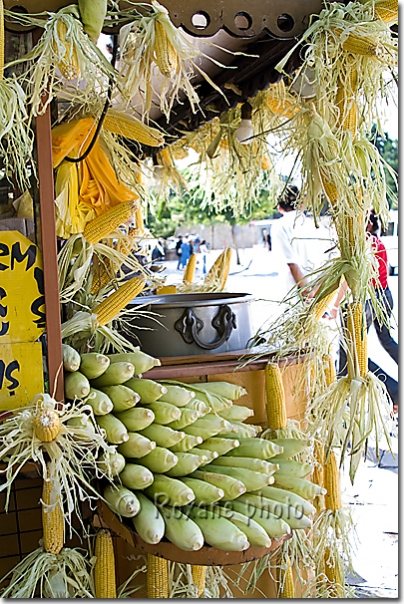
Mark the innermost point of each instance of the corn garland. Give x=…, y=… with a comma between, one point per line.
x=332, y=498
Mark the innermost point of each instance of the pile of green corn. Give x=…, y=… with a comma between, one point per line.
x=187, y=468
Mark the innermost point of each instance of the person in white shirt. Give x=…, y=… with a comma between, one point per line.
x=289, y=242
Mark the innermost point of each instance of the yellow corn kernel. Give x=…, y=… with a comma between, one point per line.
x=329, y=370
x=387, y=11
x=166, y=289
x=69, y=63
x=157, y=577
x=52, y=521
x=332, y=498
x=321, y=306
x=108, y=309
x=101, y=275
x=330, y=189
x=287, y=588
x=47, y=425
x=335, y=575
x=284, y=108
x=130, y=127
x=361, y=45
x=2, y=39
x=275, y=393
x=190, y=270
x=106, y=223
x=165, y=55
x=318, y=475
x=104, y=569
x=199, y=577
x=357, y=335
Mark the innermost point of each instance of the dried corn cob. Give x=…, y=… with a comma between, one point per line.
x=330, y=189
x=165, y=55
x=111, y=306
x=130, y=127
x=321, y=306
x=198, y=577
x=104, y=569
x=387, y=11
x=190, y=270
x=52, y=521
x=329, y=370
x=334, y=573
x=69, y=64
x=106, y=223
x=157, y=577
x=361, y=45
x=332, y=498
x=287, y=587
x=276, y=408
x=47, y=425
x=357, y=336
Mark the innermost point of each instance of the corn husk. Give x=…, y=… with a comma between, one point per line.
x=73, y=453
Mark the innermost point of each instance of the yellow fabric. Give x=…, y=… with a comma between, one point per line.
x=85, y=190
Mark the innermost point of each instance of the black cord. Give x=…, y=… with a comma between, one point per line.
x=76, y=160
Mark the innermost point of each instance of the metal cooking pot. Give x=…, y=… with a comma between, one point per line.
x=192, y=324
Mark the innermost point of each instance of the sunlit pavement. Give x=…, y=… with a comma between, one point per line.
x=373, y=500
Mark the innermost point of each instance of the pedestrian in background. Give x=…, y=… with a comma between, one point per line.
x=203, y=250
x=178, y=247
x=185, y=252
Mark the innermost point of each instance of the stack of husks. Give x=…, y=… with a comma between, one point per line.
x=187, y=466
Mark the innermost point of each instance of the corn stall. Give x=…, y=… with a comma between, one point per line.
x=144, y=459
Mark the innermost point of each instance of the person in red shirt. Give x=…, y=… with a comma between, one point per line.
x=383, y=292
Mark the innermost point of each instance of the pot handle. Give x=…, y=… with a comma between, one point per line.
x=189, y=327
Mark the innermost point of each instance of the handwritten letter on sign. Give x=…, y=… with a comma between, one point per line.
x=22, y=301
x=22, y=320
x=21, y=374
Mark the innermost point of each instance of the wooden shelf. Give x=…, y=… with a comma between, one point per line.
x=206, y=556
x=197, y=365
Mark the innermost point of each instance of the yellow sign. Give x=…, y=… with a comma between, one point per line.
x=21, y=374
x=22, y=301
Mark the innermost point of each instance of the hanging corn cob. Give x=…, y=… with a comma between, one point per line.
x=111, y=306
x=52, y=519
x=130, y=127
x=104, y=568
x=155, y=40
x=157, y=577
x=44, y=430
x=65, y=45
x=286, y=582
x=199, y=577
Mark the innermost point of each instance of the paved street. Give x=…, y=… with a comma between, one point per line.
x=373, y=499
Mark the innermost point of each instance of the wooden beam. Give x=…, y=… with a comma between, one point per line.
x=49, y=253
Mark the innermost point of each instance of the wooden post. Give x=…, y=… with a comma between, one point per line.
x=49, y=251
